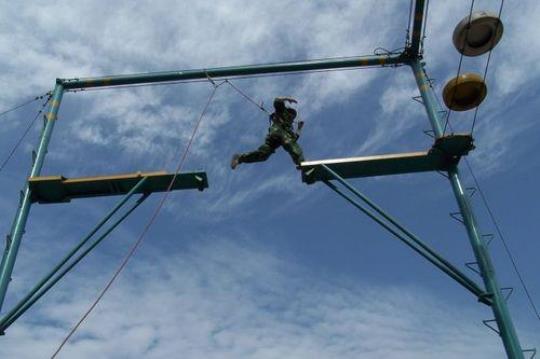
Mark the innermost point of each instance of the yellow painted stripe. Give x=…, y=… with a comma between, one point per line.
x=364, y=62
x=382, y=60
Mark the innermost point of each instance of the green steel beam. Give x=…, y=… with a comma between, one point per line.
x=405, y=236
x=372, y=166
x=418, y=20
x=33, y=294
x=57, y=189
x=38, y=292
x=445, y=153
x=272, y=68
x=428, y=97
x=499, y=307
x=17, y=230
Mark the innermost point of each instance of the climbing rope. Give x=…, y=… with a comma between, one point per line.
x=28, y=128
x=243, y=94
x=503, y=240
x=149, y=224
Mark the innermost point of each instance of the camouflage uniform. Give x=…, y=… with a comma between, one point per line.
x=280, y=133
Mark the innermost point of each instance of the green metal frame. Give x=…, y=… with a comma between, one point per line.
x=443, y=155
x=412, y=56
x=60, y=270
x=57, y=189
x=19, y=223
x=499, y=307
x=393, y=226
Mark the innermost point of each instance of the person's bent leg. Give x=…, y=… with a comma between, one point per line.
x=271, y=142
x=259, y=155
x=294, y=149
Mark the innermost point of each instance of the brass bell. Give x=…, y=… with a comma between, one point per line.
x=484, y=33
x=464, y=92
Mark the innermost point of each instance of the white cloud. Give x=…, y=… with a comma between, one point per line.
x=122, y=37
x=43, y=43
x=231, y=300
x=516, y=57
x=224, y=299
x=399, y=114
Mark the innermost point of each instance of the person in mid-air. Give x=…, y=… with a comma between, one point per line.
x=280, y=133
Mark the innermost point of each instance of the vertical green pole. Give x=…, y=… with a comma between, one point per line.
x=507, y=331
x=17, y=230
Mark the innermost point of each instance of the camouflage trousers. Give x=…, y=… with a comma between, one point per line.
x=276, y=137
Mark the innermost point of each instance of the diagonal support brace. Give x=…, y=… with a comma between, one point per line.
x=47, y=282
x=532, y=351
x=406, y=236
x=488, y=322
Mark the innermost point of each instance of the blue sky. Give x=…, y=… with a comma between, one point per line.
x=261, y=265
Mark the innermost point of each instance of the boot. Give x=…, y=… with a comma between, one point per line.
x=235, y=161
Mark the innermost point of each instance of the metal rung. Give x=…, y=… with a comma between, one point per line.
x=488, y=238
x=443, y=112
x=486, y=323
x=471, y=190
x=533, y=351
x=457, y=216
x=473, y=266
x=418, y=99
x=429, y=133
x=509, y=291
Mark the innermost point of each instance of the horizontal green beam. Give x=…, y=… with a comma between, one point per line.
x=57, y=189
x=403, y=234
x=284, y=67
x=445, y=153
x=47, y=282
x=371, y=166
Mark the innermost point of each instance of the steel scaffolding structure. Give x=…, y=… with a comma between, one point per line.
x=444, y=156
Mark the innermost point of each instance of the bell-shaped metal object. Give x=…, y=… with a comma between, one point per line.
x=482, y=35
x=464, y=92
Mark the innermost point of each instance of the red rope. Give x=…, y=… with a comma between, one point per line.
x=145, y=230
